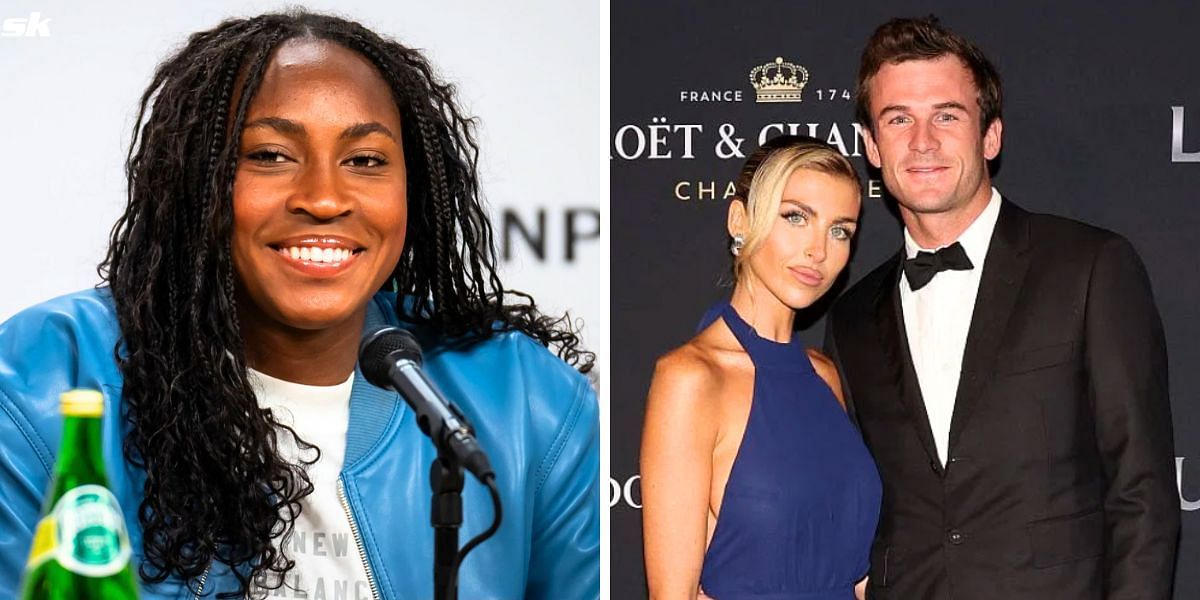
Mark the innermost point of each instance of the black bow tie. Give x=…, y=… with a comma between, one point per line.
x=921, y=268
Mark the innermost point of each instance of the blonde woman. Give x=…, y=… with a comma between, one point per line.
x=755, y=483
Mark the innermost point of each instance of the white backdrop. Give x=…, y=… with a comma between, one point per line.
x=533, y=72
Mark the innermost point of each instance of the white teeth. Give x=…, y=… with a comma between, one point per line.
x=318, y=255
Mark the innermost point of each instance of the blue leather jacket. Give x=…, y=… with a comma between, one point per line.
x=536, y=417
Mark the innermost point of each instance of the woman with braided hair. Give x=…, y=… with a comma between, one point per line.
x=295, y=180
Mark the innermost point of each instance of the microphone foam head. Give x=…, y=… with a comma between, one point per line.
x=380, y=349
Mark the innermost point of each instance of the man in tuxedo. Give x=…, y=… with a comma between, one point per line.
x=1007, y=369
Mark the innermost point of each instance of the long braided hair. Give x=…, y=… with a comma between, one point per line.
x=215, y=486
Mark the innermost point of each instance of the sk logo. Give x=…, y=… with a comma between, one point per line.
x=34, y=26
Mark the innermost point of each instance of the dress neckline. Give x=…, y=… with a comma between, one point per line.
x=764, y=351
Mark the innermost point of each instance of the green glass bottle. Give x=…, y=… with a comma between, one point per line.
x=80, y=547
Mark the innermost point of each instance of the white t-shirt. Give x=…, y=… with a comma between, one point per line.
x=328, y=562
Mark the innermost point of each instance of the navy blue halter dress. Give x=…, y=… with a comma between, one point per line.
x=802, y=501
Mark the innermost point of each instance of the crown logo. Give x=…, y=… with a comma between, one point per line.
x=778, y=81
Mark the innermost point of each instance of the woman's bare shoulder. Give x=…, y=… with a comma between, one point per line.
x=823, y=364
x=827, y=370
x=690, y=369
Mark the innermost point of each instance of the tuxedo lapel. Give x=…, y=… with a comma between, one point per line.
x=898, y=360
x=999, y=287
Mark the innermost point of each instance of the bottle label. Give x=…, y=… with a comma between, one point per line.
x=44, y=542
x=85, y=533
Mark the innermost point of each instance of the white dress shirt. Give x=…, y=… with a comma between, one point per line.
x=937, y=318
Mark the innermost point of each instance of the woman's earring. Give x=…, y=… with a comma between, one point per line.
x=735, y=247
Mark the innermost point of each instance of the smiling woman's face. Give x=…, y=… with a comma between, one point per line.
x=319, y=204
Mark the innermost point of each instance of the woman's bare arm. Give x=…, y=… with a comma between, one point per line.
x=676, y=466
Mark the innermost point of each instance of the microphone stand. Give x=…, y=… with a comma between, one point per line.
x=391, y=359
x=446, y=479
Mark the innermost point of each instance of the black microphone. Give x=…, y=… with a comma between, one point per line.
x=390, y=358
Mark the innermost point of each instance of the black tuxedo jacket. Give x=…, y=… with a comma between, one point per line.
x=1060, y=481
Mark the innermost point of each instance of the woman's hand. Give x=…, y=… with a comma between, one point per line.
x=860, y=589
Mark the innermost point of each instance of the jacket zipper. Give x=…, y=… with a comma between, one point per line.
x=357, y=542
x=357, y=538
x=203, y=580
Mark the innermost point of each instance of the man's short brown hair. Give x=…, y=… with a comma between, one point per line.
x=902, y=40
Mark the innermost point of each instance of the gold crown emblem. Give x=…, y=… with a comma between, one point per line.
x=778, y=81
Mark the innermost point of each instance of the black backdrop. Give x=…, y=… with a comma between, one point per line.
x=1101, y=123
